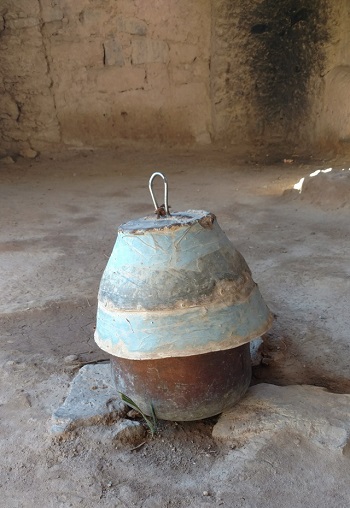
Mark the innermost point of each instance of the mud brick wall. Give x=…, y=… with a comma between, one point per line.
x=27, y=106
x=244, y=72
x=333, y=123
x=92, y=73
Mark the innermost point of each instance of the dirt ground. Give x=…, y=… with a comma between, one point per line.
x=59, y=218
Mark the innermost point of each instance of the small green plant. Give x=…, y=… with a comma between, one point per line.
x=150, y=422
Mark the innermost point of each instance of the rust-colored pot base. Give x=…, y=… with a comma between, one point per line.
x=185, y=388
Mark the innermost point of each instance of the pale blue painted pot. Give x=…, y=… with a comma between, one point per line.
x=175, y=287
x=177, y=308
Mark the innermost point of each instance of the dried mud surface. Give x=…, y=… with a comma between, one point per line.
x=59, y=217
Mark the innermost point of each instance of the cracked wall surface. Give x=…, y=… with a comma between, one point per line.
x=247, y=73
x=91, y=73
x=27, y=110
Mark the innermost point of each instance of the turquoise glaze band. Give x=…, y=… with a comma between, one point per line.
x=181, y=332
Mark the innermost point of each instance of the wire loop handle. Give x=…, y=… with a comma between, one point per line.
x=164, y=208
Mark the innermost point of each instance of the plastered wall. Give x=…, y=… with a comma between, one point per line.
x=248, y=72
x=95, y=72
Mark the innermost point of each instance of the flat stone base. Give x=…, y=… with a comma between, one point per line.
x=318, y=415
x=92, y=399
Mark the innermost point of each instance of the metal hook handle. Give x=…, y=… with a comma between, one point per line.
x=163, y=209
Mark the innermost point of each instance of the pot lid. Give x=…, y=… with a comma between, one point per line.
x=176, y=219
x=163, y=219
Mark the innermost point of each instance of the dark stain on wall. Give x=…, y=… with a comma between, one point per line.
x=268, y=62
x=287, y=38
x=285, y=51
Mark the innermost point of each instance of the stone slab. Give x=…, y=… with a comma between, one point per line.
x=318, y=415
x=92, y=398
